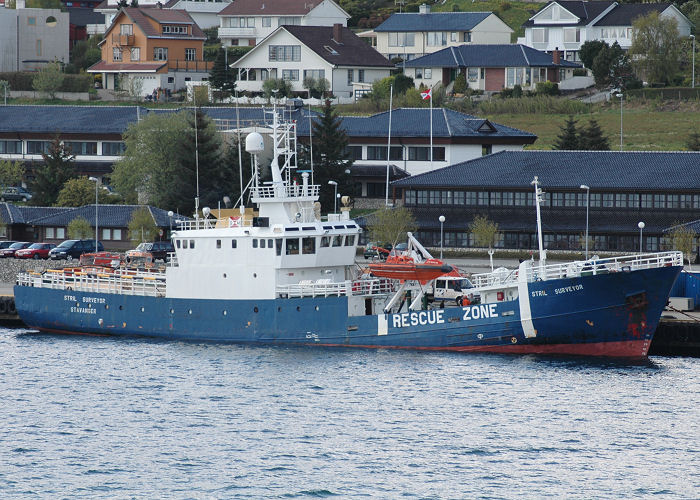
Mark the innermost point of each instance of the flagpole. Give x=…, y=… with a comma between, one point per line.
x=431, y=128
x=388, y=145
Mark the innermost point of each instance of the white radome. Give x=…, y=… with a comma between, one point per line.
x=254, y=143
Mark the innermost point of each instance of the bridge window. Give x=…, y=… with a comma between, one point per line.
x=191, y=243
x=278, y=246
x=234, y=244
x=349, y=240
x=218, y=243
x=255, y=243
x=292, y=246
x=338, y=240
x=325, y=241
x=308, y=245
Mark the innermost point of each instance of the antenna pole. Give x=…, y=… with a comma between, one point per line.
x=240, y=154
x=196, y=152
x=388, y=145
x=311, y=146
x=538, y=201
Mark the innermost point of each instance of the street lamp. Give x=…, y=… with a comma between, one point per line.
x=97, y=232
x=641, y=228
x=693, y=78
x=588, y=193
x=335, y=195
x=620, y=95
x=442, y=223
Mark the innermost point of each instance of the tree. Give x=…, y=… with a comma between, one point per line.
x=568, y=139
x=331, y=162
x=589, y=50
x=390, y=225
x=50, y=177
x=592, y=139
x=316, y=87
x=610, y=66
x=484, y=231
x=49, y=79
x=84, y=54
x=655, y=47
x=4, y=89
x=131, y=85
x=80, y=229
x=221, y=77
x=151, y=160
x=11, y=173
x=682, y=238
x=693, y=143
x=283, y=88
x=142, y=226
x=460, y=86
x=80, y=191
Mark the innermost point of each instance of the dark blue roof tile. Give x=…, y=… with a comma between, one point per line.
x=488, y=56
x=439, y=21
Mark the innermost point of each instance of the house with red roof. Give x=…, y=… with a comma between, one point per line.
x=146, y=49
x=247, y=22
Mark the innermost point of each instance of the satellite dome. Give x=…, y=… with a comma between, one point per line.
x=254, y=143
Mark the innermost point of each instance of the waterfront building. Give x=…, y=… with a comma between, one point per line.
x=660, y=189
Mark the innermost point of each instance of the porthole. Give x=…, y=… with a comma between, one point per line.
x=189, y=311
x=172, y=311
x=279, y=309
x=298, y=308
x=224, y=275
x=255, y=275
x=316, y=308
x=255, y=309
x=106, y=306
x=143, y=309
x=121, y=308
x=225, y=312
x=77, y=304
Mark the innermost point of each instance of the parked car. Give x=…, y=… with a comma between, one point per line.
x=10, y=251
x=7, y=243
x=159, y=250
x=35, y=251
x=372, y=252
x=15, y=194
x=73, y=249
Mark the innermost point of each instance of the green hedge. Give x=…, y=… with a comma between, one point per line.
x=666, y=93
x=24, y=80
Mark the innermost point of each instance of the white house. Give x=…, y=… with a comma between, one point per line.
x=296, y=52
x=412, y=35
x=247, y=22
x=204, y=12
x=566, y=25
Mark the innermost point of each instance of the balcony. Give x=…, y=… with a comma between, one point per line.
x=123, y=40
x=193, y=66
x=237, y=33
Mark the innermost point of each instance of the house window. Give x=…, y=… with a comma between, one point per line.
x=353, y=152
x=31, y=21
x=58, y=233
x=540, y=35
x=38, y=47
x=421, y=153
x=402, y=39
x=264, y=74
x=135, y=53
x=113, y=148
x=81, y=148
x=285, y=53
x=316, y=74
x=290, y=21
x=160, y=53
x=486, y=149
x=467, y=36
x=454, y=37
x=473, y=74
x=350, y=76
x=572, y=35
x=37, y=147
x=126, y=29
x=50, y=233
x=116, y=54
x=190, y=54
x=360, y=75
x=437, y=38
x=10, y=147
x=290, y=74
x=175, y=30
x=267, y=22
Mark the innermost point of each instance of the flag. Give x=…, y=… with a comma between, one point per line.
x=427, y=95
x=234, y=221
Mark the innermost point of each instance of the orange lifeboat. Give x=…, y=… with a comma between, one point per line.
x=404, y=268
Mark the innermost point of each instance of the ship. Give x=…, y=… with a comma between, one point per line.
x=278, y=273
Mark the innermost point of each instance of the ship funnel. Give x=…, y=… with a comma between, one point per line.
x=254, y=143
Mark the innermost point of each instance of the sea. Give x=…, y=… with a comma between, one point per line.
x=103, y=417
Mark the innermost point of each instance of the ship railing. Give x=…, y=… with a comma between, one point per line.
x=118, y=282
x=327, y=288
x=285, y=191
x=573, y=269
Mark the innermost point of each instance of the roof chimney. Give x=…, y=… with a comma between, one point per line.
x=338, y=33
x=424, y=9
x=556, y=56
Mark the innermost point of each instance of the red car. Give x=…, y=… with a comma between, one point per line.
x=10, y=251
x=35, y=251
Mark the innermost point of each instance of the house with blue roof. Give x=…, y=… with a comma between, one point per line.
x=490, y=68
x=660, y=189
x=410, y=35
x=565, y=25
x=50, y=224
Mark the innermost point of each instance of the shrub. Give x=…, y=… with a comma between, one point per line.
x=517, y=91
x=537, y=104
x=547, y=88
x=580, y=72
x=460, y=86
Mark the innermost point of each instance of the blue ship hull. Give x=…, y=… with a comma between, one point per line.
x=612, y=314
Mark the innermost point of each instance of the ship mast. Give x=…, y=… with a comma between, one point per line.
x=538, y=201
